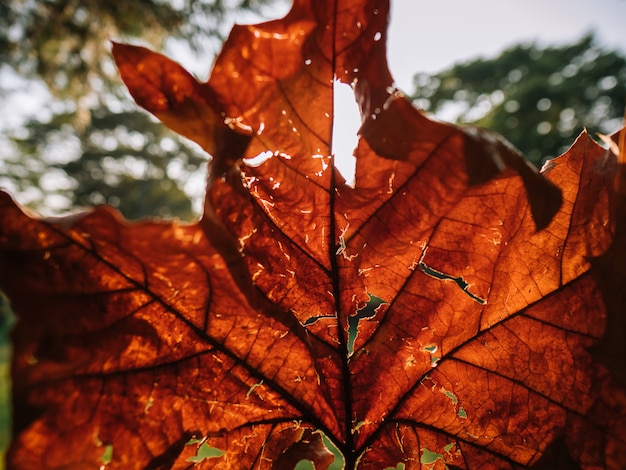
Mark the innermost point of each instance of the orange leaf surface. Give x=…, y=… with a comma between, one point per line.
x=448, y=309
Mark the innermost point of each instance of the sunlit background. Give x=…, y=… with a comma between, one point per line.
x=425, y=37
x=68, y=142
x=430, y=36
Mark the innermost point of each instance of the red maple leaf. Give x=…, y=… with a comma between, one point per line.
x=440, y=312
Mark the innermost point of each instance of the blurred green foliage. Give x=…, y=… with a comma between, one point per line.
x=86, y=142
x=6, y=321
x=539, y=98
x=124, y=159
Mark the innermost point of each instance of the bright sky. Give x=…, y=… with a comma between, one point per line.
x=430, y=35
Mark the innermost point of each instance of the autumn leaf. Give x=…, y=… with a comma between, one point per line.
x=448, y=310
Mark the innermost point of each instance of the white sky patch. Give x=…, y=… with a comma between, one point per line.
x=346, y=123
x=415, y=44
x=195, y=187
x=486, y=28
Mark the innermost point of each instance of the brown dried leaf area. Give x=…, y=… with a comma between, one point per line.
x=450, y=309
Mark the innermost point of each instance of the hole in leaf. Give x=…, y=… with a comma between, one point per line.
x=304, y=465
x=368, y=311
x=310, y=321
x=346, y=123
x=252, y=387
x=204, y=452
x=428, y=457
x=400, y=466
x=259, y=159
x=338, y=463
x=452, y=397
x=432, y=349
x=459, y=281
x=107, y=456
x=455, y=403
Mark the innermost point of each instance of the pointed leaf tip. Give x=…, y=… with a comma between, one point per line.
x=188, y=107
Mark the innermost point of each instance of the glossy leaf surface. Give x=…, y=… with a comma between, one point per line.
x=440, y=311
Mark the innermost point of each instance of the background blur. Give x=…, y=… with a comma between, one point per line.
x=70, y=136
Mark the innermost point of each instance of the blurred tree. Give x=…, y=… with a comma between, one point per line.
x=70, y=135
x=538, y=98
x=6, y=322
x=125, y=159
x=84, y=141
